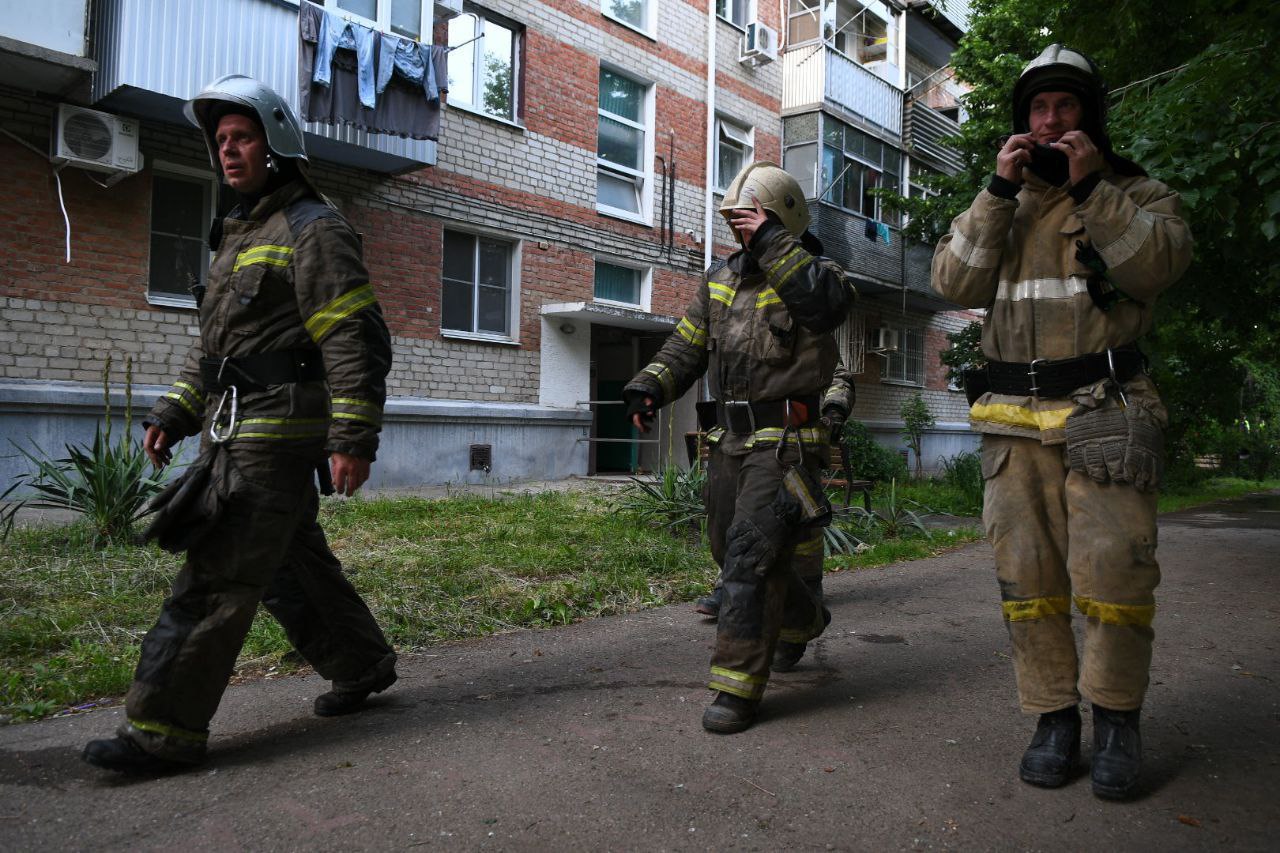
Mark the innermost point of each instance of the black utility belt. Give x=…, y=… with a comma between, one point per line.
x=743, y=418
x=258, y=371
x=1058, y=378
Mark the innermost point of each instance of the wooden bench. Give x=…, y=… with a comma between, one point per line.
x=834, y=477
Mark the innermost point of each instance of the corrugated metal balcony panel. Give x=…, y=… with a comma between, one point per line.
x=925, y=129
x=863, y=93
x=155, y=54
x=802, y=75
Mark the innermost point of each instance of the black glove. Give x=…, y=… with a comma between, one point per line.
x=636, y=405
x=834, y=419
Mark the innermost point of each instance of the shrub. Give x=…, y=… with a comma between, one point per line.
x=964, y=473
x=868, y=459
x=674, y=500
x=916, y=418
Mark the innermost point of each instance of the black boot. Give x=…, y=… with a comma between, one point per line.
x=786, y=655
x=1054, y=751
x=729, y=714
x=709, y=605
x=1117, y=752
x=125, y=756
x=343, y=699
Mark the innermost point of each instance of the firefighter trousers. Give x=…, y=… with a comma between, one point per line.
x=760, y=607
x=268, y=548
x=1060, y=536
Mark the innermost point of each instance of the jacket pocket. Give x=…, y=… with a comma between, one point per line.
x=994, y=457
x=774, y=336
x=244, y=302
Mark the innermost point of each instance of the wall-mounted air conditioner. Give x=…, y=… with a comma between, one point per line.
x=759, y=44
x=884, y=339
x=98, y=141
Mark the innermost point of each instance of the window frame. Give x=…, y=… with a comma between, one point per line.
x=482, y=17
x=642, y=177
x=383, y=22
x=212, y=187
x=748, y=8
x=805, y=12
x=514, y=263
x=904, y=331
x=828, y=190
x=646, y=283
x=649, y=16
x=749, y=155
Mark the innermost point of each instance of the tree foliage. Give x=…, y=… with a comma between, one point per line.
x=1196, y=100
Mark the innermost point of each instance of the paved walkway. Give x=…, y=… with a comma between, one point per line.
x=899, y=732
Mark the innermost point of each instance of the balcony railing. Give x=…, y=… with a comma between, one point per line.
x=814, y=76
x=155, y=54
x=923, y=135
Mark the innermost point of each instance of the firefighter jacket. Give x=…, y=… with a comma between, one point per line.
x=761, y=332
x=1017, y=258
x=289, y=276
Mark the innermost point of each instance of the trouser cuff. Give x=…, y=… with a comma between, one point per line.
x=165, y=741
x=737, y=683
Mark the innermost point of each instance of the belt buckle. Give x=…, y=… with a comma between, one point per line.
x=732, y=414
x=1035, y=378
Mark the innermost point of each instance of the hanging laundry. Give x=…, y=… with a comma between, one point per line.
x=883, y=230
x=336, y=33
x=407, y=79
x=869, y=229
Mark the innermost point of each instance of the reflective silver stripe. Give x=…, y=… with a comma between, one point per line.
x=1128, y=243
x=1042, y=288
x=972, y=254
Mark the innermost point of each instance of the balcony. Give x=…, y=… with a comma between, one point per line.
x=923, y=137
x=43, y=46
x=816, y=78
x=155, y=54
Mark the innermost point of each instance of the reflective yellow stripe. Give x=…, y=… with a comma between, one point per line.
x=810, y=548
x=691, y=333
x=338, y=310
x=772, y=435
x=191, y=389
x=663, y=375
x=742, y=677
x=788, y=256
x=768, y=296
x=353, y=416
x=744, y=692
x=353, y=401
x=173, y=395
x=1036, y=608
x=1022, y=416
x=721, y=292
x=794, y=635
x=288, y=428
x=737, y=683
x=279, y=256
x=168, y=731
x=1140, y=615
x=285, y=421
x=800, y=264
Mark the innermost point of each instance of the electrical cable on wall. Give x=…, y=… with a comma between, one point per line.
x=56, y=177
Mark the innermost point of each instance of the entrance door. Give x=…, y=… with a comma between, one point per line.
x=611, y=422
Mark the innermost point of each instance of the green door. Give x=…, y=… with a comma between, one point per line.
x=611, y=422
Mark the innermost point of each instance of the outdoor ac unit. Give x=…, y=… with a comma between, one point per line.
x=97, y=141
x=884, y=340
x=759, y=44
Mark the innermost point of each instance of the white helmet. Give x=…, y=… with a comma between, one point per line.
x=279, y=123
x=776, y=191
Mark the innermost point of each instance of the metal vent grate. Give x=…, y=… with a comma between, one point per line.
x=482, y=457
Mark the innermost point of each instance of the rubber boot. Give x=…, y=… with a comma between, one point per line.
x=786, y=655
x=125, y=756
x=1117, y=753
x=729, y=714
x=344, y=699
x=709, y=605
x=1054, y=751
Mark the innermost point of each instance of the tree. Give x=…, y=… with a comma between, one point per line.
x=916, y=418
x=497, y=86
x=1195, y=100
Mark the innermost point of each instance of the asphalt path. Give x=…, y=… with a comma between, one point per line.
x=899, y=731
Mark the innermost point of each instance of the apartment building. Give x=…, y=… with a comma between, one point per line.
x=529, y=258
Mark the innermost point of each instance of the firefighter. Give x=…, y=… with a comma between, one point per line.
x=289, y=369
x=760, y=326
x=1067, y=249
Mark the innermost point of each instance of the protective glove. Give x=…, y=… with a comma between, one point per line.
x=834, y=418
x=1111, y=443
x=636, y=405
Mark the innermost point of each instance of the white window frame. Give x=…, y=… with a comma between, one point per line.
x=476, y=106
x=648, y=16
x=642, y=177
x=748, y=141
x=646, y=283
x=905, y=379
x=513, y=305
x=809, y=12
x=165, y=169
x=748, y=8
x=383, y=22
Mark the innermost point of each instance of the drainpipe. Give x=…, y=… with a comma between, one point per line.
x=707, y=222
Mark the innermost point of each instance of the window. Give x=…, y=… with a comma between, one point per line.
x=182, y=208
x=623, y=154
x=733, y=151
x=633, y=13
x=484, y=66
x=857, y=32
x=624, y=285
x=804, y=20
x=476, y=288
x=736, y=12
x=855, y=163
x=402, y=17
x=907, y=364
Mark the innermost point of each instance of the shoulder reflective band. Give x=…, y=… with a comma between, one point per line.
x=722, y=292
x=768, y=296
x=276, y=256
x=323, y=321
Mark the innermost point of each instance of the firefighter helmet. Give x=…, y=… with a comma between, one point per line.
x=1058, y=68
x=279, y=122
x=776, y=190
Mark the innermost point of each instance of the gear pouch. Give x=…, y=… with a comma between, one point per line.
x=803, y=500
x=188, y=509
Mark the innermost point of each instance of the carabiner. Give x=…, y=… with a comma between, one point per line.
x=232, y=420
x=1111, y=366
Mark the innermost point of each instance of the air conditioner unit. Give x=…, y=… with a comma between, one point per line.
x=884, y=339
x=97, y=141
x=759, y=44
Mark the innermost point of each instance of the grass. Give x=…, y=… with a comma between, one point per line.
x=1210, y=490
